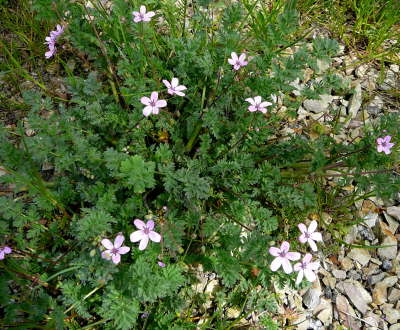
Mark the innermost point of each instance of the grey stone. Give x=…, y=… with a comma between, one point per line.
x=387, y=265
x=362, y=256
x=394, y=211
x=345, y=312
x=392, y=314
x=390, y=81
x=318, y=106
x=361, y=71
x=373, y=279
x=389, y=252
x=375, y=106
x=339, y=274
x=312, y=297
x=355, y=275
x=357, y=295
x=367, y=234
x=355, y=101
x=394, y=295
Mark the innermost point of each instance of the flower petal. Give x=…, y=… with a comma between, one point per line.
x=154, y=96
x=180, y=93
x=139, y=223
x=313, y=225
x=257, y=99
x=379, y=148
x=293, y=256
x=309, y=274
x=142, y=10
x=144, y=242
x=297, y=267
x=252, y=108
x=276, y=263
x=107, y=244
x=147, y=110
x=1, y=254
x=145, y=100
x=137, y=236
x=300, y=276
x=174, y=82
x=316, y=236
x=285, y=247
x=150, y=14
x=274, y=251
x=7, y=250
x=161, y=103
x=124, y=249
x=116, y=258
x=106, y=255
x=386, y=151
x=180, y=88
x=302, y=238
x=230, y=61
x=118, y=241
x=250, y=100
x=242, y=57
x=379, y=140
x=234, y=56
x=312, y=245
x=137, y=18
x=155, y=237
x=302, y=227
x=307, y=258
x=150, y=224
x=265, y=104
x=287, y=266
x=166, y=83
x=313, y=265
x=387, y=138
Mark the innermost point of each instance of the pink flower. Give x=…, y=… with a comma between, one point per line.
x=153, y=104
x=51, y=40
x=384, y=144
x=306, y=268
x=142, y=16
x=236, y=61
x=173, y=87
x=145, y=233
x=115, y=250
x=282, y=257
x=3, y=251
x=161, y=264
x=256, y=104
x=309, y=235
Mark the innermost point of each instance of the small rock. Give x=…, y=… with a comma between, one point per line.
x=328, y=292
x=324, y=311
x=394, y=295
x=390, y=81
x=367, y=234
x=312, y=297
x=346, y=312
x=355, y=101
x=372, y=320
x=395, y=327
x=346, y=263
x=372, y=280
x=394, y=211
x=388, y=252
x=322, y=65
x=375, y=106
x=355, y=275
x=361, y=71
x=232, y=313
x=318, y=106
x=392, y=314
x=362, y=256
x=358, y=295
x=393, y=224
x=386, y=265
x=351, y=236
x=339, y=274
x=379, y=293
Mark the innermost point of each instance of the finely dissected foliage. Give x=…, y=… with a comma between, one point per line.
x=217, y=180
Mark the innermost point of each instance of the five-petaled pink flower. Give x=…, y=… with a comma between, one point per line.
x=142, y=15
x=51, y=40
x=310, y=235
x=306, y=268
x=174, y=87
x=144, y=233
x=283, y=256
x=153, y=104
x=384, y=144
x=236, y=61
x=3, y=251
x=257, y=105
x=115, y=250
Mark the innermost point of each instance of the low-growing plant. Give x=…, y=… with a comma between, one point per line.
x=165, y=163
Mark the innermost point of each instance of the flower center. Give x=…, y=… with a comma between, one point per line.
x=153, y=103
x=282, y=254
x=146, y=230
x=114, y=251
x=238, y=63
x=384, y=144
x=307, y=235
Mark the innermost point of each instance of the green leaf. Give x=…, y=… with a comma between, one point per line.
x=138, y=173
